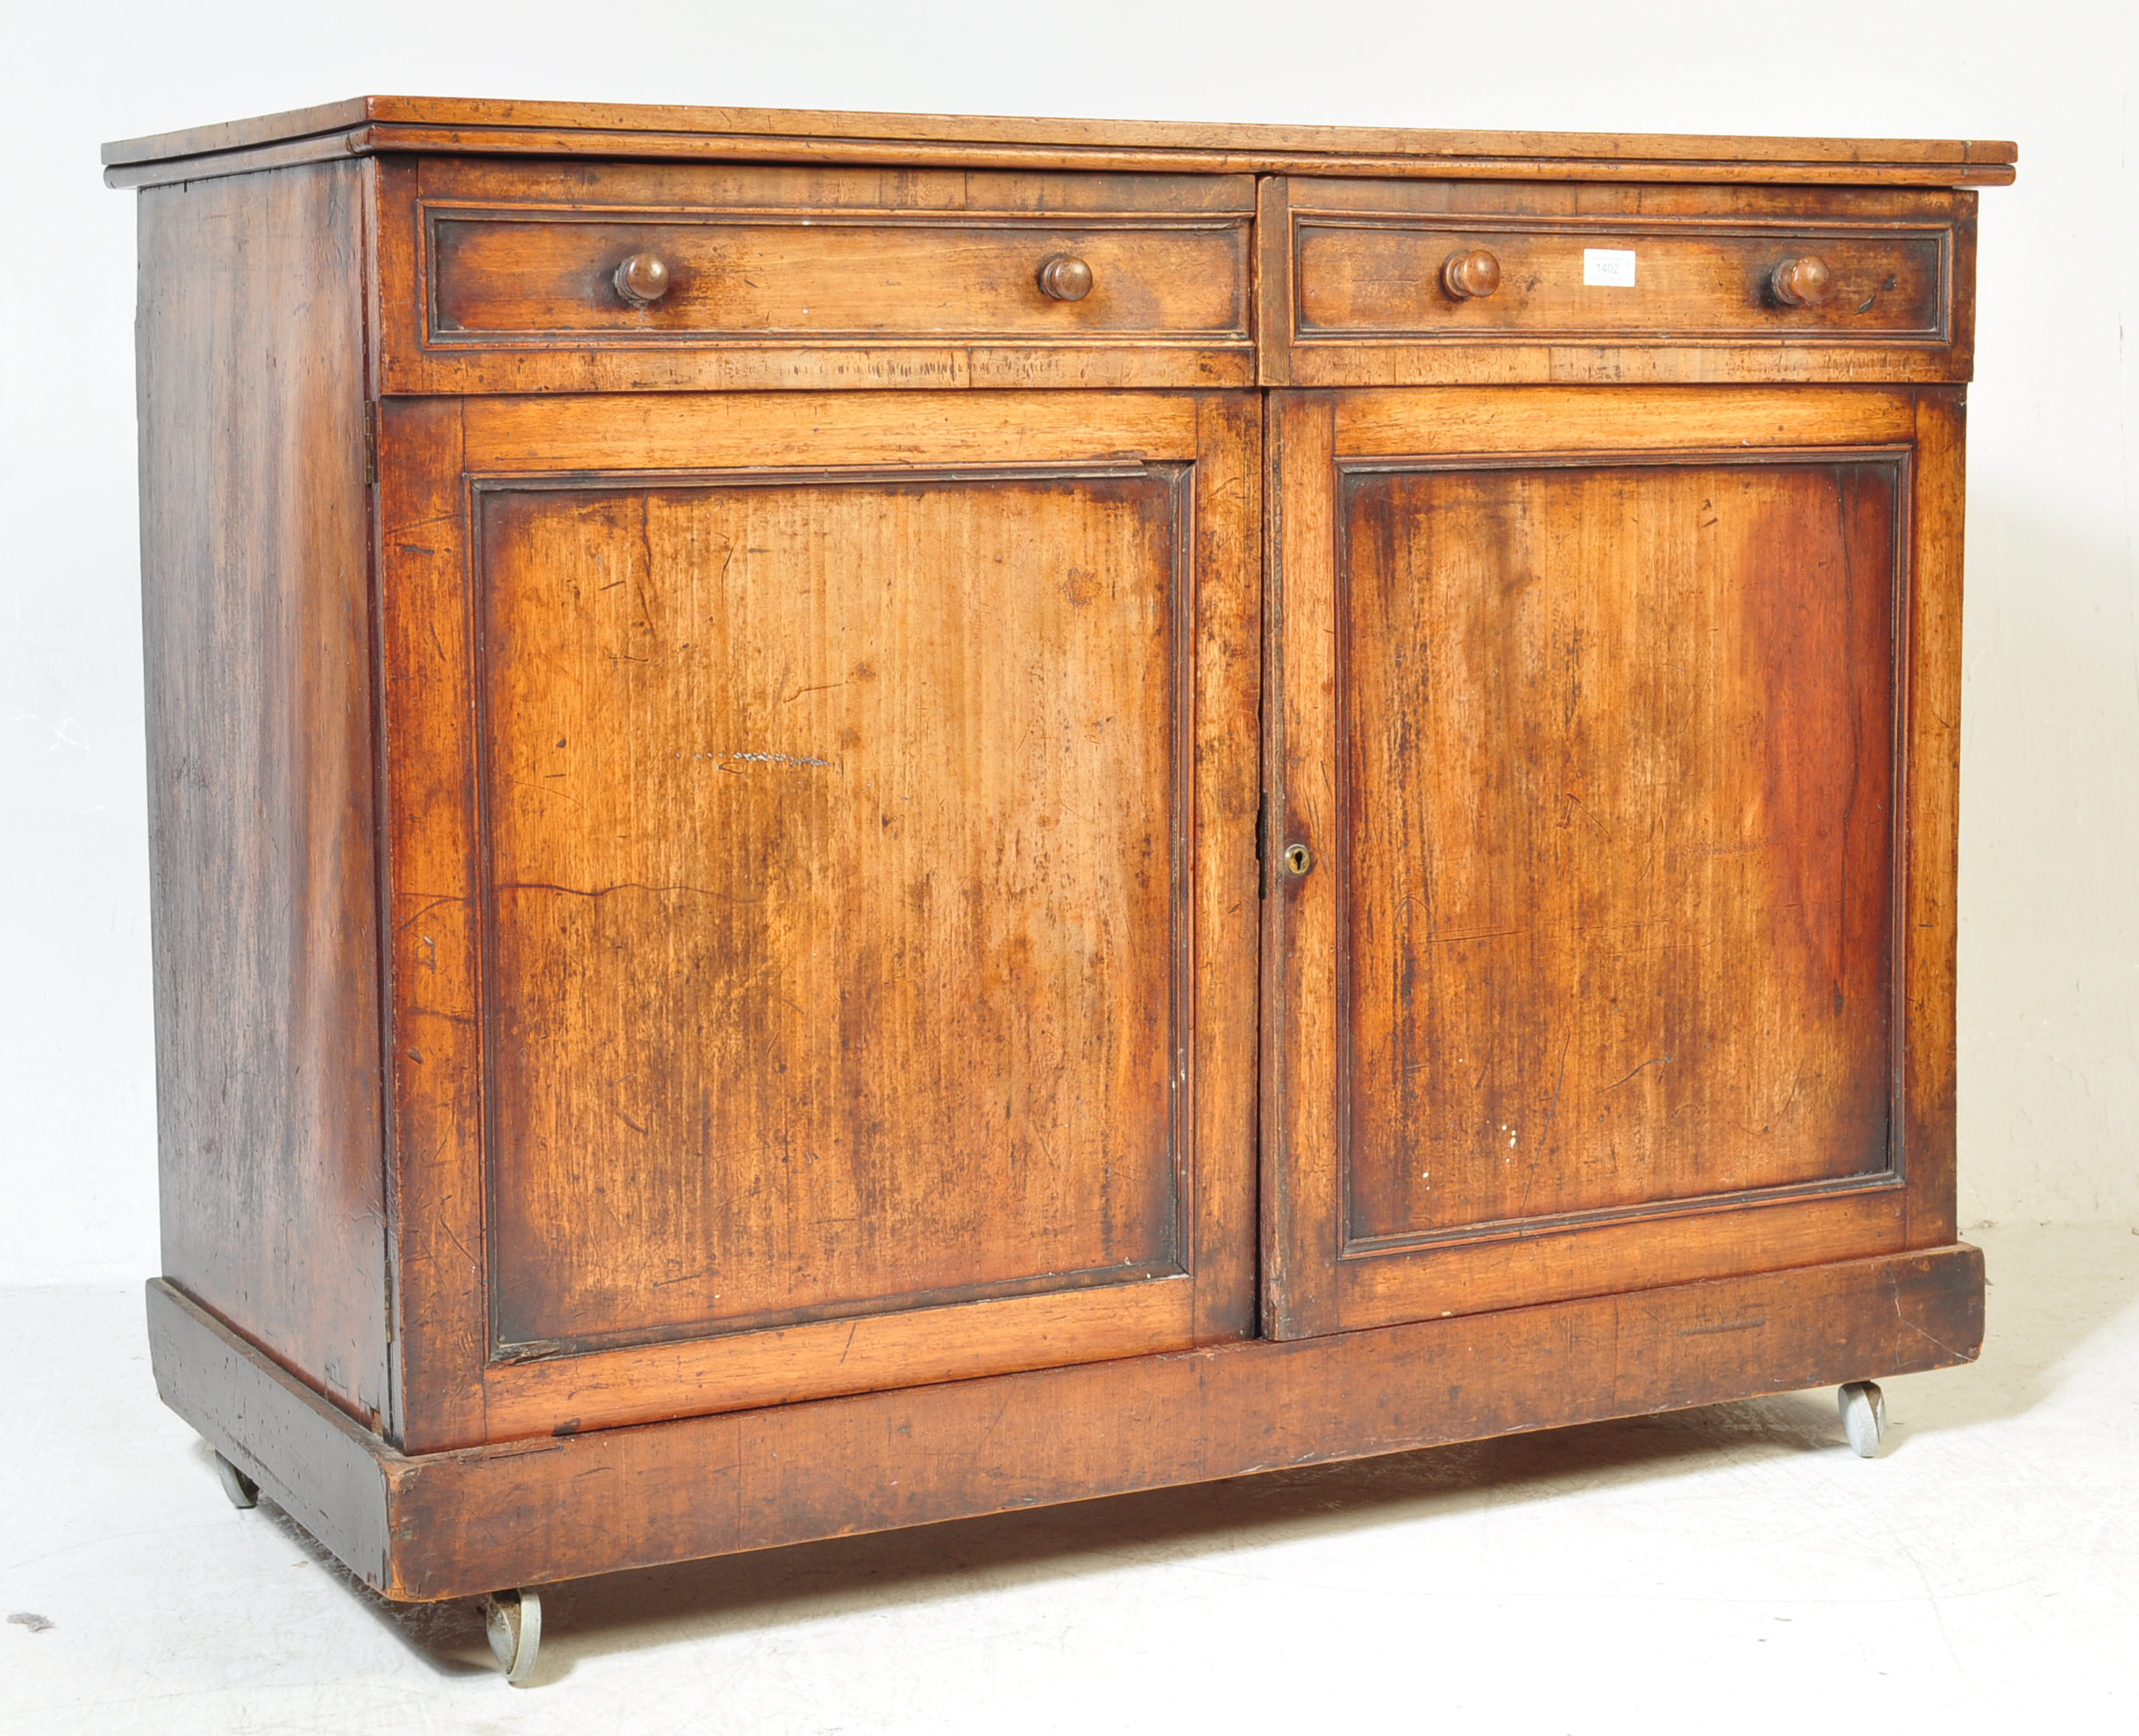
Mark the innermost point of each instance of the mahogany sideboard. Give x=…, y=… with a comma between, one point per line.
x=859, y=819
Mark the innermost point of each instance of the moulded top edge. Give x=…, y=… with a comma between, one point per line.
x=574, y=128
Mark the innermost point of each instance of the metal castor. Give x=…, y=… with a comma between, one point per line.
x=1864, y=1416
x=243, y=1492
x=513, y=1619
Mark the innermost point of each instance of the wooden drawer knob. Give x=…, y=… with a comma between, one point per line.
x=1066, y=278
x=1802, y=283
x=642, y=279
x=1468, y=276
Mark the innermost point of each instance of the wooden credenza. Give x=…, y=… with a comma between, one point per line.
x=859, y=819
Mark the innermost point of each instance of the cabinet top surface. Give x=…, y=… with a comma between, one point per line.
x=368, y=124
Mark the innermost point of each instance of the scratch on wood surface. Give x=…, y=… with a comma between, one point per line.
x=1654, y=1061
x=1481, y=934
x=522, y=784
x=772, y=758
x=424, y=909
x=419, y=523
x=1893, y=1295
x=460, y=1247
x=622, y=886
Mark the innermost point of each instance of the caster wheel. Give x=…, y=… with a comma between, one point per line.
x=1864, y=1416
x=243, y=1492
x=513, y=1619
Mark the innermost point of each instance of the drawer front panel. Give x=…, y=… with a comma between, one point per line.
x=532, y=280
x=505, y=278
x=1374, y=283
x=1591, y=282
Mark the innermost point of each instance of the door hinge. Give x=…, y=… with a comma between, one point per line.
x=371, y=444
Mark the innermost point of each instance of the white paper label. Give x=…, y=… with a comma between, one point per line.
x=1613, y=267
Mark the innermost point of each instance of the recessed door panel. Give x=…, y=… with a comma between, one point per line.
x=1619, y=759
x=834, y=875
x=1592, y=725
x=853, y=983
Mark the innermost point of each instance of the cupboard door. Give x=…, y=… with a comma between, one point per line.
x=862, y=829
x=1595, y=724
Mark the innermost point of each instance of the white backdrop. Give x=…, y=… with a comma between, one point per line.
x=2049, y=888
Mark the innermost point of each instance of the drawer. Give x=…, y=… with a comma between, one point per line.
x=624, y=279
x=499, y=274
x=1412, y=283
x=1620, y=283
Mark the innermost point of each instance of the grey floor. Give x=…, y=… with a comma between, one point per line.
x=1734, y=1568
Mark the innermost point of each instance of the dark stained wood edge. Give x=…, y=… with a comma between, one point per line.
x=454, y=1524
x=461, y=126
x=325, y=1471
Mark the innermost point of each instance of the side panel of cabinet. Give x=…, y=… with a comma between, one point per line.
x=853, y=805
x=257, y=642
x=1604, y=716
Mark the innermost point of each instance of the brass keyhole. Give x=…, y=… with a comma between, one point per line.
x=1298, y=860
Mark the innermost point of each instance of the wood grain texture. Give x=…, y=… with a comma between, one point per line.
x=1225, y=911
x=464, y=126
x=501, y=276
x=707, y=922
x=984, y=1035
x=1617, y=829
x=685, y=1374
x=529, y=1512
x=433, y=1069
x=582, y=183
x=1930, y=805
x=498, y=277
x=835, y=837
x=560, y=436
x=1399, y=970
x=1350, y=292
x=1380, y=281
x=257, y=633
x=325, y=1471
x=1384, y=423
